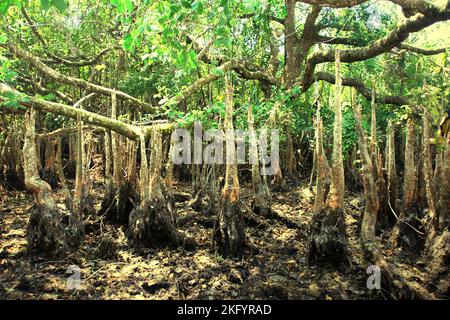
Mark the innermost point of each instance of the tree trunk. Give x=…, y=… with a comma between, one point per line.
x=291, y=162
x=60, y=172
x=211, y=208
x=391, y=174
x=45, y=232
x=131, y=162
x=328, y=238
x=293, y=61
x=337, y=188
x=79, y=167
x=119, y=199
x=228, y=238
x=391, y=281
x=108, y=198
x=199, y=189
x=444, y=196
x=49, y=172
x=168, y=180
x=151, y=222
x=373, y=126
x=82, y=202
x=12, y=157
x=438, y=249
x=322, y=167
x=408, y=232
x=261, y=202
x=378, y=173
x=428, y=176
x=71, y=161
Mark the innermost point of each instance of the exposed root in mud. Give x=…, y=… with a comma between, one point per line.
x=118, y=204
x=409, y=232
x=438, y=269
x=152, y=221
x=45, y=232
x=328, y=240
x=273, y=267
x=228, y=232
x=151, y=226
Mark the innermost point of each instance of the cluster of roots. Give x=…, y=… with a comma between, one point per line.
x=328, y=240
x=438, y=269
x=228, y=232
x=46, y=233
x=409, y=238
x=151, y=225
x=118, y=203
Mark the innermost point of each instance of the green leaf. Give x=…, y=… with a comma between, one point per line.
x=127, y=41
x=129, y=5
x=123, y=5
x=174, y=8
x=3, y=38
x=4, y=6
x=45, y=4
x=181, y=58
x=61, y=5
x=218, y=72
x=192, y=59
x=50, y=96
x=12, y=100
x=197, y=6
x=186, y=3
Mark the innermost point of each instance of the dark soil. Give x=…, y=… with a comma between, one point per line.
x=273, y=265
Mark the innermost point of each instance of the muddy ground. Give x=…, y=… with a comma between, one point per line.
x=272, y=268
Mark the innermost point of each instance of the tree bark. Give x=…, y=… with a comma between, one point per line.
x=438, y=241
x=428, y=176
x=261, y=202
x=391, y=174
x=45, y=232
x=60, y=173
x=322, y=168
x=408, y=232
x=49, y=171
x=151, y=222
x=108, y=198
x=228, y=238
x=120, y=197
x=391, y=281
x=328, y=238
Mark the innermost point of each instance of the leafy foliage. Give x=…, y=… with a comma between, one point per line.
x=154, y=55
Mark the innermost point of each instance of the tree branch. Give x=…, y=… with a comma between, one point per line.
x=122, y=128
x=309, y=28
x=411, y=7
x=52, y=73
x=238, y=66
x=56, y=58
x=42, y=90
x=394, y=38
x=362, y=89
x=427, y=52
x=271, y=17
x=338, y=40
x=335, y=3
x=65, y=131
x=81, y=63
